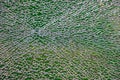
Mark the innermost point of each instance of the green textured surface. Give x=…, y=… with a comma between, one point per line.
x=59, y=40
